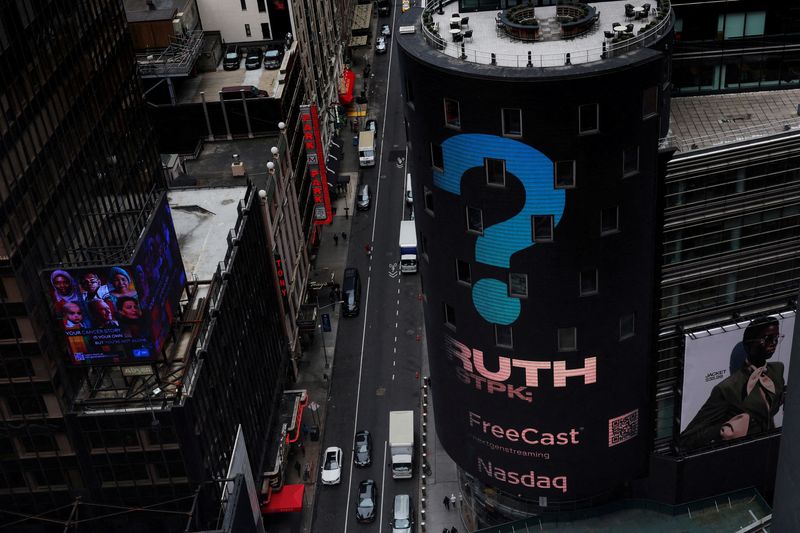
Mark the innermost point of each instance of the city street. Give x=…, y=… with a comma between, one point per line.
x=378, y=354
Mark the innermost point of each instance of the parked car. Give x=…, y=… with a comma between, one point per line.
x=231, y=59
x=332, y=466
x=253, y=59
x=367, y=497
x=386, y=31
x=272, y=59
x=372, y=125
x=380, y=45
x=362, y=450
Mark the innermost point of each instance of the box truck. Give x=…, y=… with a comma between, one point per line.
x=401, y=443
x=408, y=247
x=366, y=149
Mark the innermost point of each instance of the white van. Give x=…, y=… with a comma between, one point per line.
x=409, y=194
x=366, y=149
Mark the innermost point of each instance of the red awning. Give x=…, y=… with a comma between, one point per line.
x=288, y=500
x=346, y=85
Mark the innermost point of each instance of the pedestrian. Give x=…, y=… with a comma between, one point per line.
x=335, y=240
x=460, y=500
x=453, y=500
x=344, y=237
x=368, y=249
x=303, y=449
x=297, y=467
x=446, y=503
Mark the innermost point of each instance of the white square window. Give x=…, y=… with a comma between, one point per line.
x=609, y=220
x=518, y=285
x=630, y=160
x=463, y=272
x=589, y=118
x=627, y=326
x=495, y=171
x=503, y=336
x=542, y=228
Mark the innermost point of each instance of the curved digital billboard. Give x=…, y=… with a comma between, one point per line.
x=121, y=313
x=540, y=377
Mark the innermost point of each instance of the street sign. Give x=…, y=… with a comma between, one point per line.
x=326, y=322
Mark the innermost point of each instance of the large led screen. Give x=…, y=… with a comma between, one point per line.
x=734, y=379
x=121, y=313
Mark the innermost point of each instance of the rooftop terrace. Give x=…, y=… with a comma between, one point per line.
x=546, y=36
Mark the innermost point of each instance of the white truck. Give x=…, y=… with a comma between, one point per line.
x=366, y=149
x=408, y=247
x=401, y=443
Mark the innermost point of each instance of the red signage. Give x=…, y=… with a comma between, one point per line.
x=281, y=278
x=346, y=84
x=315, y=159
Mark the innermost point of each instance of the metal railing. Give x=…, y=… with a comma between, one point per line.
x=609, y=48
x=745, y=133
x=176, y=60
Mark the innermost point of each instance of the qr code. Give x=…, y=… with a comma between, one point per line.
x=622, y=428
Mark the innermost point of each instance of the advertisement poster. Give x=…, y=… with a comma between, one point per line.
x=121, y=313
x=734, y=380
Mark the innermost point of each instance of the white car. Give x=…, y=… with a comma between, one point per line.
x=332, y=466
x=380, y=45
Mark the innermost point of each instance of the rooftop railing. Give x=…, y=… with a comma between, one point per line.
x=610, y=48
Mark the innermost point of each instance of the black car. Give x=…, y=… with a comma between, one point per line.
x=272, y=58
x=253, y=59
x=231, y=59
x=367, y=497
x=362, y=448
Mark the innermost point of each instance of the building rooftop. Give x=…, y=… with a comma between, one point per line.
x=698, y=122
x=203, y=217
x=490, y=33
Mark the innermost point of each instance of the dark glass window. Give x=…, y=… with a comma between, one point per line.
x=630, y=160
x=542, y=228
x=452, y=114
x=247, y=30
x=512, y=122
x=474, y=219
x=609, y=220
x=650, y=101
x=437, y=157
x=627, y=326
x=428, y=194
x=588, y=282
x=567, y=339
x=495, y=171
x=265, y=33
x=503, y=336
x=38, y=443
x=463, y=273
x=262, y=6
x=26, y=405
x=244, y=5
x=565, y=174
x=518, y=285
x=588, y=118
x=9, y=328
x=16, y=368
x=449, y=315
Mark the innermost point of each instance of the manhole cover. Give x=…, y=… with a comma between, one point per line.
x=380, y=391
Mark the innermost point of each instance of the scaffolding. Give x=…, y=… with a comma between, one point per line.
x=177, y=60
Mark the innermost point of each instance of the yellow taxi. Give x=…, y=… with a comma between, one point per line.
x=406, y=5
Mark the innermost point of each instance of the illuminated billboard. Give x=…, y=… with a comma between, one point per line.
x=734, y=379
x=315, y=158
x=121, y=313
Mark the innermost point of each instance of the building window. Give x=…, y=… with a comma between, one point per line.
x=650, y=101
x=449, y=316
x=589, y=281
x=495, y=171
x=567, y=339
x=474, y=219
x=463, y=273
x=542, y=228
x=247, y=30
x=589, y=118
x=9, y=329
x=512, y=122
x=739, y=25
x=38, y=443
x=26, y=405
x=244, y=4
x=503, y=336
x=262, y=6
x=437, y=156
x=427, y=194
x=627, y=326
x=565, y=175
x=609, y=220
x=452, y=114
x=630, y=160
x=518, y=285
x=265, y=33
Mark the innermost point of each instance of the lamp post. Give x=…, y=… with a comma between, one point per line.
x=322, y=329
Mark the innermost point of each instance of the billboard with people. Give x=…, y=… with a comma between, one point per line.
x=734, y=380
x=121, y=313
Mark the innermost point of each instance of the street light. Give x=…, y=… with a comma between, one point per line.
x=322, y=329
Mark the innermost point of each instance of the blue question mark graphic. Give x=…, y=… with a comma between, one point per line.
x=502, y=240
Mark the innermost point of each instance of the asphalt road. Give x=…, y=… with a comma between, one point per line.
x=378, y=353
